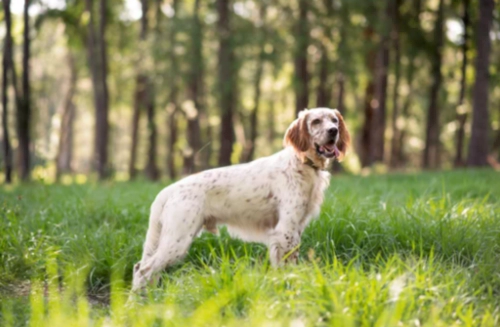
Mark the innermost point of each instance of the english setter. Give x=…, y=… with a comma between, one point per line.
x=269, y=200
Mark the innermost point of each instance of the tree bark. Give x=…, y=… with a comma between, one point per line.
x=414, y=22
x=172, y=140
x=227, y=80
x=366, y=139
x=271, y=123
x=250, y=149
x=65, y=147
x=96, y=47
x=248, y=154
x=401, y=156
x=461, y=113
x=6, y=67
x=152, y=171
x=140, y=91
x=301, y=78
x=323, y=95
x=205, y=138
x=192, y=157
x=395, y=93
x=343, y=58
x=148, y=103
x=173, y=107
x=431, y=152
x=136, y=116
x=341, y=92
x=479, y=143
x=24, y=110
x=377, y=147
x=496, y=145
x=102, y=136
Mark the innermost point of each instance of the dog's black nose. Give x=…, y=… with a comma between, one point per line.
x=333, y=131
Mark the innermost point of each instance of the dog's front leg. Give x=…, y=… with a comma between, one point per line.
x=285, y=238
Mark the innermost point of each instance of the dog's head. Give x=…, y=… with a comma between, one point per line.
x=319, y=133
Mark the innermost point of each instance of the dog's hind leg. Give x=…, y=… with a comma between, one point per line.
x=152, y=235
x=179, y=227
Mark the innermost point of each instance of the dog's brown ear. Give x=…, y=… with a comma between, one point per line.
x=297, y=135
x=344, y=137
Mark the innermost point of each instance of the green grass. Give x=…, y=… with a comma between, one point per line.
x=395, y=250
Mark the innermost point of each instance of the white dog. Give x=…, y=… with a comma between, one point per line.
x=270, y=200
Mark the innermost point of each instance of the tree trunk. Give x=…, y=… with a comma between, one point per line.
x=401, y=157
x=343, y=58
x=432, y=144
x=301, y=78
x=191, y=156
x=366, y=139
x=205, y=139
x=6, y=63
x=379, y=105
x=96, y=47
x=193, y=137
x=479, y=142
x=152, y=171
x=227, y=80
x=395, y=93
x=249, y=151
x=24, y=110
x=341, y=93
x=65, y=147
x=323, y=95
x=461, y=113
x=496, y=145
x=271, y=115
x=102, y=135
x=414, y=22
x=172, y=140
x=138, y=95
x=173, y=107
x=140, y=90
x=148, y=103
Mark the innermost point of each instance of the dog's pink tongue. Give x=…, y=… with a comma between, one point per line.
x=329, y=147
x=337, y=152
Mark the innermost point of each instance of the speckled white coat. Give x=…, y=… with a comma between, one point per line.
x=269, y=200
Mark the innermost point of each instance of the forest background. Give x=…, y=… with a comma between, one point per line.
x=127, y=88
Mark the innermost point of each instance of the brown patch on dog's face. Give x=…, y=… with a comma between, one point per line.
x=344, y=140
x=297, y=135
x=322, y=130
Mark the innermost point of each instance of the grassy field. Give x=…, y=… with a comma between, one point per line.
x=396, y=250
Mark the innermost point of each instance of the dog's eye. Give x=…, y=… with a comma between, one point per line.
x=316, y=121
x=335, y=120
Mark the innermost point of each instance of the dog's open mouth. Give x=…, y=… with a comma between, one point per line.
x=328, y=150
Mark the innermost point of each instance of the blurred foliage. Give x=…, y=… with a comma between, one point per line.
x=338, y=26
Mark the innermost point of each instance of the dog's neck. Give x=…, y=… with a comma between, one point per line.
x=311, y=159
x=312, y=164
x=315, y=161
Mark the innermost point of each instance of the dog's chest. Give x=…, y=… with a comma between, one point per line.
x=316, y=195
